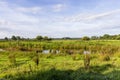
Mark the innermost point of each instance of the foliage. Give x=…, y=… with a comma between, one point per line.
x=39, y=38
x=6, y=38
x=46, y=38
x=86, y=38
x=94, y=38
x=13, y=38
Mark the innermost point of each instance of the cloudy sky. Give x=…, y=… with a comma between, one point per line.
x=59, y=18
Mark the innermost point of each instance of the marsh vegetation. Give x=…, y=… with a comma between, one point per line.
x=60, y=60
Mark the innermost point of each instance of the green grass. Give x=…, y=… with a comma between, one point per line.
x=61, y=66
x=58, y=67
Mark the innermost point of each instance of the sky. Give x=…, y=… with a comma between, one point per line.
x=59, y=18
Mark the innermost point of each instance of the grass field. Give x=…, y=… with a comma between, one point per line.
x=18, y=60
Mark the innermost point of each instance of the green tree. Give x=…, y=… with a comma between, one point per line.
x=18, y=37
x=106, y=36
x=86, y=38
x=13, y=38
x=39, y=38
x=94, y=37
x=6, y=38
x=46, y=38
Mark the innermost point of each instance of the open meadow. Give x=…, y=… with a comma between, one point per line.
x=59, y=39
x=60, y=60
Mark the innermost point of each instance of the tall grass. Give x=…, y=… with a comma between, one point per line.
x=69, y=64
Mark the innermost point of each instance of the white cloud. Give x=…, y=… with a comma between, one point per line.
x=33, y=10
x=59, y=7
x=18, y=20
x=90, y=16
x=14, y=22
x=3, y=22
x=102, y=15
x=3, y=4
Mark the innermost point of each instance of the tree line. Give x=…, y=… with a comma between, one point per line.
x=103, y=37
x=46, y=38
x=106, y=37
x=38, y=38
